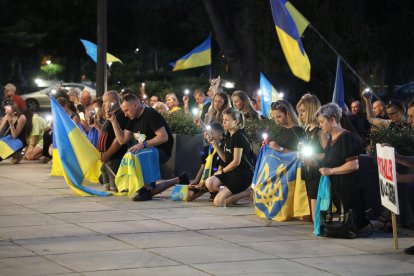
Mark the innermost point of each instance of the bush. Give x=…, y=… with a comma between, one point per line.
x=402, y=139
x=254, y=130
x=182, y=123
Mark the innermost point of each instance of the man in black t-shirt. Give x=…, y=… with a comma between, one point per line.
x=109, y=147
x=150, y=130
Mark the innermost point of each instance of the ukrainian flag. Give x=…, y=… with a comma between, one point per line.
x=268, y=94
x=74, y=150
x=290, y=41
x=9, y=145
x=91, y=50
x=279, y=191
x=199, y=56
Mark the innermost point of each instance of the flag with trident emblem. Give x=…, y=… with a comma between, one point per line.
x=279, y=191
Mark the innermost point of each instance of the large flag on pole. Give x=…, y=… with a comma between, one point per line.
x=290, y=41
x=91, y=50
x=199, y=56
x=75, y=152
x=338, y=93
x=300, y=21
x=268, y=94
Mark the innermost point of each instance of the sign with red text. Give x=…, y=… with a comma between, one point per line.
x=387, y=178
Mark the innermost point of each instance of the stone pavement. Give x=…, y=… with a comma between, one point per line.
x=47, y=230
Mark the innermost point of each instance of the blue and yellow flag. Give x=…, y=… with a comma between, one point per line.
x=268, y=94
x=290, y=41
x=279, y=191
x=9, y=145
x=199, y=56
x=76, y=153
x=92, y=49
x=338, y=93
x=138, y=169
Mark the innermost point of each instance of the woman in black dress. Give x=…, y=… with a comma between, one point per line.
x=341, y=161
x=235, y=173
x=316, y=140
x=291, y=133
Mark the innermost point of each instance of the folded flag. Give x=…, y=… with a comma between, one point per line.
x=92, y=51
x=323, y=202
x=208, y=167
x=9, y=145
x=136, y=170
x=279, y=191
x=76, y=153
x=268, y=94
x=199, y=56
x=290, y=41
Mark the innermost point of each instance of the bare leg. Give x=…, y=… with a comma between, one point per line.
x=213, y=184
x=222, y=195
x=313, y=207
x=164, y=185
x=192, y=195
x=233, y=198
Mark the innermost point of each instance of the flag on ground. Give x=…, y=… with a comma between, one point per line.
x=92, y=51
x=199, y=56
x=279, y=191
x=268, y=94
x=338, y=93
x=76, y=153
x=290, y=41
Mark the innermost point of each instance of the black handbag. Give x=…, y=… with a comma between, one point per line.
x=340, y=224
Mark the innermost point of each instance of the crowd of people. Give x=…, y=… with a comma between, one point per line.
x=125, y=121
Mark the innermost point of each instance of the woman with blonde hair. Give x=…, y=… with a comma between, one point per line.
x=221, y=102
x=307, y=107
x=242, y=102
x=291, y=133
x=235, y=173
x=172, y=102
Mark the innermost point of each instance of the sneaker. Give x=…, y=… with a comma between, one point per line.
x=409, y=250
x=142, y=194
x=184, y=178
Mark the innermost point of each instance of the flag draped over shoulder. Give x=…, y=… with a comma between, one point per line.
x=290, y=40
x=279, y=191
x=268, y=94
x=92, y=49
x=9, y=145
x=208, y=166
x=75, y=152
x=339, y=92
x=199, y=56
x=136, y=170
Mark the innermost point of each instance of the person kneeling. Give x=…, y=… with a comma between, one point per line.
x=236, y=173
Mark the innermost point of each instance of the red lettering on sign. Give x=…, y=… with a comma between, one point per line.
x=385, y=168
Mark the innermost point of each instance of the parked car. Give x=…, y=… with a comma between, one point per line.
x=40, y=99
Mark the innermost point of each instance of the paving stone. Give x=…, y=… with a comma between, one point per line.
x=69, y=207
x=43, y=231
x=150, y=271
x=357, y=265
x=259, y=267
x=27, y=220
x=303, y=248
x=210, y=253
x=8, y=249
x=125, y=227
x=166, y=239
x=108, y=260
x=196, y=223
x=48, y=199
x=73, y=244
x=253, y=234
x=98, y=216
x=14, y=209
x=174, y=213
x=30, y=266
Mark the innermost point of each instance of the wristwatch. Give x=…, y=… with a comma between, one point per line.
x=145, y=144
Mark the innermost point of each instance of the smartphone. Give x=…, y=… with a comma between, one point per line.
x=206, y=128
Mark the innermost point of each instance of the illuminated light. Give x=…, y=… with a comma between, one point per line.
x=136, y=50
x=195, y=111
x=281, y=95
x=307, y=151
x=144, y=96
x=186, y=91
x=48, y=62
x=109, y=64
x=96, y=109
x=229, y=85
x=143, y=84
x=53, y=91
x=82, y=116
x=265, y=136
x=38, y=81
x=49, y=118
x=208, y=127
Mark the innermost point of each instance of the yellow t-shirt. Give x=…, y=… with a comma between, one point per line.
x=39, y=125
